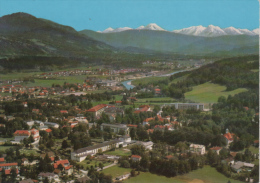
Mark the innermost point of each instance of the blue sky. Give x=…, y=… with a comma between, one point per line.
x=169, y=14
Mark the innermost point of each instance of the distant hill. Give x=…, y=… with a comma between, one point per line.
x=22, y=34
x=169, y=42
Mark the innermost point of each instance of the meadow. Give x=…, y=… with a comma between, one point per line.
x=205, y=175
x=209, y=93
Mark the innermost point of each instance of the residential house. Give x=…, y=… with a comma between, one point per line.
x=66, y=167
x=216, y=149
x=136, y=157
x=22, y=134
x=8, y=167
x=53, y=125
x=148, y=145
x=229, y=137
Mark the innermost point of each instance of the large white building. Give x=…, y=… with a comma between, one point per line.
x=81, y=154
x=185, y=106
x=197, y=148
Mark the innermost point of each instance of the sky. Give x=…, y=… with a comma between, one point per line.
x=168, y=14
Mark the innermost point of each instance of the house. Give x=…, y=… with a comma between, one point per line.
x=83, y=179
x=136, y=157
x=50, y=154
x=81, y=154
x=256, y=143
x=63, y=111
x=146, y=121
x=35, y=111
x=240, y=166
x=2, y=160
x=229, y=137
x=48, y=130
x=114, y=111
x=169, y=157
x=197, y=148
x=98, y=109
x=66, y=167
x=115, y=127
x=50, y=176
x=125, y=138
x=216, y=149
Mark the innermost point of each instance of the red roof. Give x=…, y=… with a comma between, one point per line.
x=22, y=132
x=48, y=130
x=148, y=119
x=63, y=111
x=169, y=156
x=136, y=156
x=216, y=148
x=8, y=171
x=256, y=141
x=8, y=164
x=97, y=108
x=2, y=159
x=61, y=162
x=157, y=89
x=150, y=130
x=118, y=101
x=229, y=136
x=132, y=125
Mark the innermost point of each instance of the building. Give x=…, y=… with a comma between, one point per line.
x=229, y=137
x=136, y=157
x=216, y=149
x=67, y=168
x=185, y=106
x=81, y=154
x=8, y=166
x=197, y=148
x=98, y=109
x=240, y=166
x=115, y=127
x=148, y=145
x=50, y=176
x=53, y=125
x=22, y=134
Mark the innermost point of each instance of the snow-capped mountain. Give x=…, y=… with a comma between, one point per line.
x=120, y=29
x=210, y=31
x=214, y=31
x=151, y=26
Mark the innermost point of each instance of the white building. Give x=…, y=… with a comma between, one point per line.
x=81, y=154
x=197, y=148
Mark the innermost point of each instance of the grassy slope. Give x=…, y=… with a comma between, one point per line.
x=116, y=171
x=209, y=92
x=204, y=175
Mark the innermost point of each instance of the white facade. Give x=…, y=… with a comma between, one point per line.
x=197, y=148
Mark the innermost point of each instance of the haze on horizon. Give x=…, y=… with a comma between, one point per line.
x=170, y=15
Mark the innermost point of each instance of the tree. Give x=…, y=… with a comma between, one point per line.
x=138, y=149
x=132, y=173
x=65, y=144
x=101, y=165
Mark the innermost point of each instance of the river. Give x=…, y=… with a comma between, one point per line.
x=129, y=86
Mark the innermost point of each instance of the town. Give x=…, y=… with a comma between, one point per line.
x=101, y=127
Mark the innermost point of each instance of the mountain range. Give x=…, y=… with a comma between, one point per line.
x=43, y=41
x=210, y=31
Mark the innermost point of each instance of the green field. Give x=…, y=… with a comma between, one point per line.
x=204, y=175
x=116, y=171
x=147, y=80
x=209, y=92
x=119, y=152
x=93, y=163
x=29, y=151
x=3, y=148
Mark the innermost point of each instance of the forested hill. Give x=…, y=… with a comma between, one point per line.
x=231, y=72
x=236, y=72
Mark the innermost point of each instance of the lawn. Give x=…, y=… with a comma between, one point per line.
x=119, y=152
x=209, y=93
x=204, y=175
x=29, y=151
x=147, y=80
x=155, y=100
x=93, y=163
x=116, y=171
x=3, y=148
